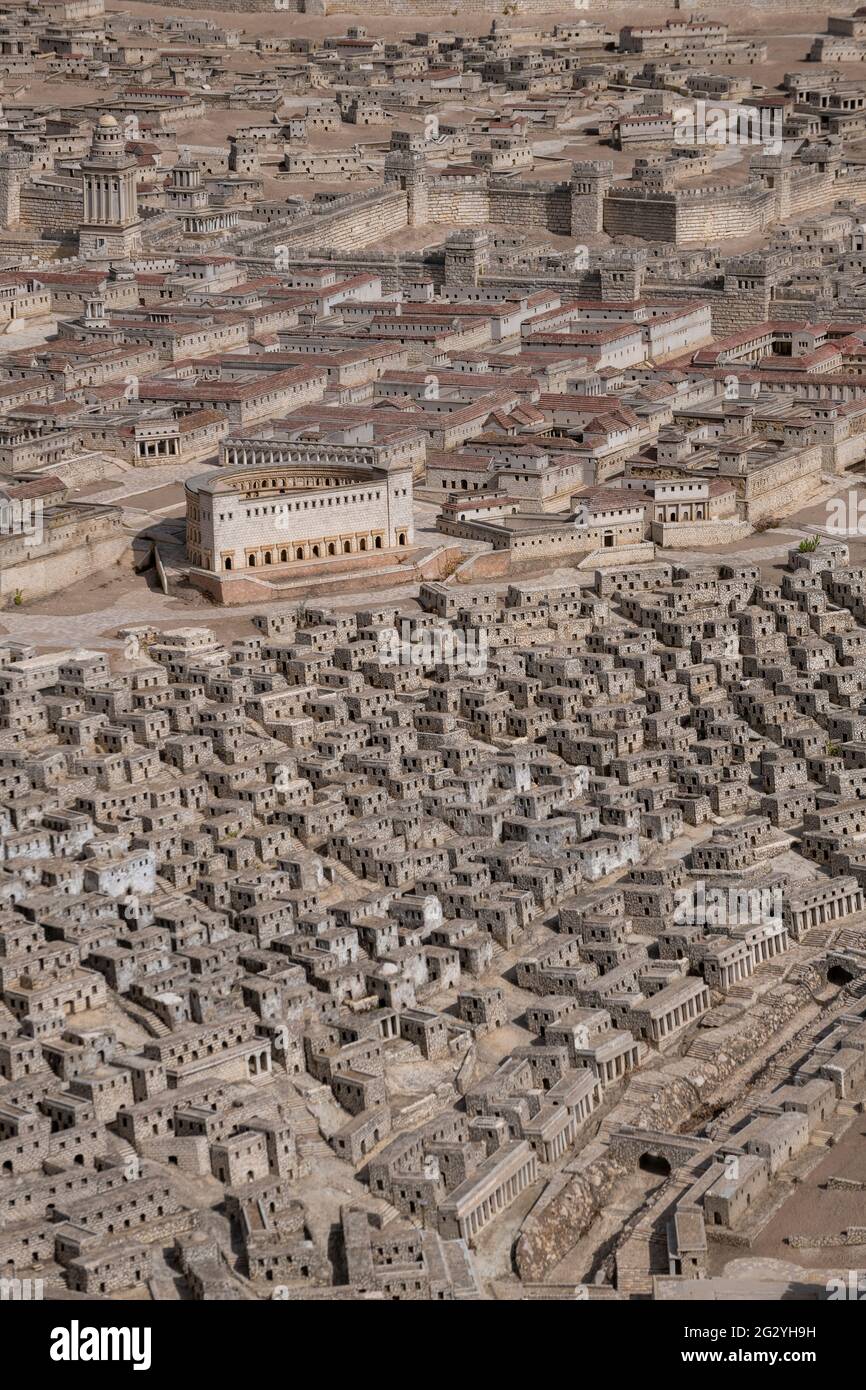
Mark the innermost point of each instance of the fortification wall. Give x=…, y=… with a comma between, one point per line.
x=532, y=205
x=458, y=203
x=355, y=222
x=42, y=573
x=629, y=213
x=721, y=214
x=53, y=209
x=713, y=214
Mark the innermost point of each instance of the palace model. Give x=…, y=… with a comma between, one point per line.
x=432, y=652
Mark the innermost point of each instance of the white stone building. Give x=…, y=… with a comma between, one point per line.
x=254, y=516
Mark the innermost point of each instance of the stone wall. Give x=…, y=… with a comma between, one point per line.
x=74, y=549
x=352, y=223
x=531, y=205
x=629, y=212
x=722, y=213
x=684, y=535
x=459, y=202
x=51, y=207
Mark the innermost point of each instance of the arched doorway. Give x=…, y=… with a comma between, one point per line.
x=655, y=1163
x=838, y=975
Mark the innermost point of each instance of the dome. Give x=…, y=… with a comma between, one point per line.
x=106, y=121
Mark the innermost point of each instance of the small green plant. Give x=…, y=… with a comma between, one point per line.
x=18, y=598
x=807, y=546
x=832, y=749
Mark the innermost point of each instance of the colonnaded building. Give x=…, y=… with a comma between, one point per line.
x=276, y=512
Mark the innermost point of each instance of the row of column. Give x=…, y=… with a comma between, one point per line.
x=104, y=200
x=841, y=906
x=498, y=1200
x=557, y=1147
x=768, y=946
x=618, y=1066
x=677, y=1017
x=242, y=454
x=736, y=971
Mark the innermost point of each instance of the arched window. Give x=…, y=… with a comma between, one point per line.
x=347, y=547
x=284, y=555
x=267, y=557
x=251, y=561
x=378, y=542
x=299, y=553
x=227, y=563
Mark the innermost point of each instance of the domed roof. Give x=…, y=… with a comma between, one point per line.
x=106, y=121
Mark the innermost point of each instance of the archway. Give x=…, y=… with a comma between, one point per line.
x=655, y=1163
x=838, y=975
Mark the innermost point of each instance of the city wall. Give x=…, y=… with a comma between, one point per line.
x=73, y=548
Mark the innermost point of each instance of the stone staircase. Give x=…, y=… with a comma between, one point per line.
x=704, y=1049
x=741, y=992
x=386, y=1213
x=642, y=1256
x=498, y=961
x=144, y=1018
x=308, y=1138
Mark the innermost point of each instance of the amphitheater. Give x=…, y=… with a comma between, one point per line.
x=250, y=517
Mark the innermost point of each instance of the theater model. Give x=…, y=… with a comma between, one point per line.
x=323, y=505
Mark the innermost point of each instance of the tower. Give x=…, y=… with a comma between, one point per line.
x=467, y=256
x=111, y=228
x=14, y=165
x=185, y=192
x=406, y=168
x=622, y=273
x=589, y=184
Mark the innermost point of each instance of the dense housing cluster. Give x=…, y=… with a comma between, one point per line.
x=291, y=895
